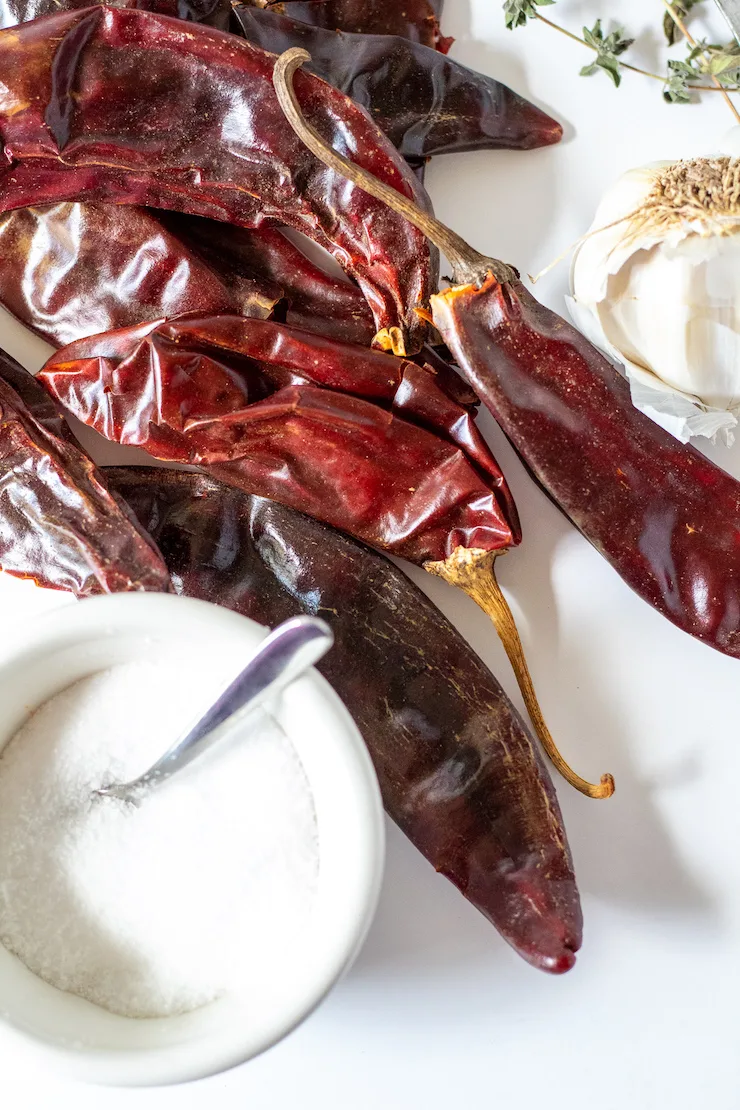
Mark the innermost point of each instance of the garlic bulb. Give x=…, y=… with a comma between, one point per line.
x=656, y=284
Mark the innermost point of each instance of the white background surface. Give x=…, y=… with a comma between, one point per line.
x=438, y=1012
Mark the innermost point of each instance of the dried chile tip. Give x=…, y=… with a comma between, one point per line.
x=538, y=129
x=553, y=134
x=556, y=951
x=558, y=965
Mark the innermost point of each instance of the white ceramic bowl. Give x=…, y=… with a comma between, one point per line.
x=92, y=1044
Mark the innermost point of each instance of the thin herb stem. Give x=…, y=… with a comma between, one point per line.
x=569, y=34
x=577, y=38
x=692, y=42
x=627, y=65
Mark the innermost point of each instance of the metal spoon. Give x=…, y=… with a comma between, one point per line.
x=283, y=656
x=731, y=11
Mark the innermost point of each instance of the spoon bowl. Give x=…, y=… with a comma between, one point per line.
x=282, y=657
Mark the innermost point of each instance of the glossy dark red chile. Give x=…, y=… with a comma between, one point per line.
x=215, y=13
x=310, y=298
x=362, y=440
x=59, y=523
x=71, y=270
x=416, y=20
x=665, y=517
x=426, y=103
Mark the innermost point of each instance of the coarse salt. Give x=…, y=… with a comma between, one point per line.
x=156, y=910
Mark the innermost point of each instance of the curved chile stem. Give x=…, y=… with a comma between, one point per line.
x=473, y=572
x=468, y=266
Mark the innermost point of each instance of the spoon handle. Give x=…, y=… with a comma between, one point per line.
x=283, y=656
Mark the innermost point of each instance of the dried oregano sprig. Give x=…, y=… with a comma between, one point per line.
x=718, y=63
x=517, y=12
x=608, y=48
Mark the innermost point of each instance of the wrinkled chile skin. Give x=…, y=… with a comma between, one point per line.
x=458, y=771
x=59, y=524
x=214, y=13
x=365, y=441
x=416, y=20
x=73, y=270
x=312, y=299
x=426, y=103
x=123, y=105
x=666, y=518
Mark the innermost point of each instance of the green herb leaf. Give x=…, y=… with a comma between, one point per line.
x=671, y=29
x=695, y=55
x=517, y=12
x=595, y=36
x=608, y=64
x=676, y=90
x=720, y=63
x=704, y=61
x=711, y=59
x=608, y=48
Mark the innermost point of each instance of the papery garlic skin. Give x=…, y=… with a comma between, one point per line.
x=676, y=311
x=665, y=302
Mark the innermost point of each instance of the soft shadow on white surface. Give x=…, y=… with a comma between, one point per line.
x=424, y=928
x=625, y=854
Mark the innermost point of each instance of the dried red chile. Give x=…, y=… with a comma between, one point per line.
x=309, y=297
x=215, y=13
x=291, y=415
x=71, y=270
x=59, y=523
x=426, y=103
x=663, y=515
x=417, y=20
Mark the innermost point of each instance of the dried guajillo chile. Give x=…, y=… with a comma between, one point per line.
x=71, y=270
x=665, y=517
x=426, y=103
x=416, y=20
x=215, y=13
x=259, y=405
x=59, y=523
x=366, y=441
x=310, y=298
x=119, y=105
x=458, y=770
